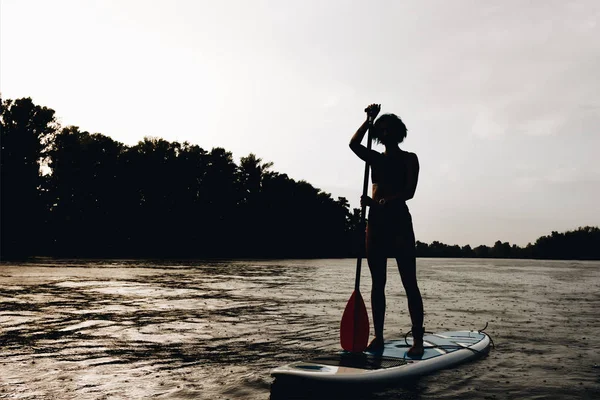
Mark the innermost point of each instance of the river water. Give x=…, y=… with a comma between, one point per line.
x=106, y=329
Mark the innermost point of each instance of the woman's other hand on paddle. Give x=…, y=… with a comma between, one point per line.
x=372, y=110
x=367, y=201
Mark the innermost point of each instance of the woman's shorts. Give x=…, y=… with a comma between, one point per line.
x=390, y=231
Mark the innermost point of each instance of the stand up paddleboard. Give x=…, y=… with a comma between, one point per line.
x=442, y=350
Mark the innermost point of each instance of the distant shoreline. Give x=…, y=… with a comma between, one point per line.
x=225, y=259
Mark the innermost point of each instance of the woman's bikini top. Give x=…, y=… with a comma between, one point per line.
x=389, y=172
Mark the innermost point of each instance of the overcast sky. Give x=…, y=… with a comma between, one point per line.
x=501, y=98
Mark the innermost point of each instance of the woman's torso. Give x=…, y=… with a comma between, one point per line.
x=389, y=175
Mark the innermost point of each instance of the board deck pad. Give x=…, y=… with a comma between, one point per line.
x=435, y=344
x=394, y=352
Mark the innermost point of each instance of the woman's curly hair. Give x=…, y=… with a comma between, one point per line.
x=392, y=124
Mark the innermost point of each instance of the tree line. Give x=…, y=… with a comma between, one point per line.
x=71, y=193
x=580, y=244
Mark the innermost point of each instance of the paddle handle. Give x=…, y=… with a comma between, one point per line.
x=363, y=211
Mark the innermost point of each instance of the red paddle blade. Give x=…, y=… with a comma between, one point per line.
x=354, y=329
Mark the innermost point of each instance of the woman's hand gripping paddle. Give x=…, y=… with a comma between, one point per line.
x=354, y=328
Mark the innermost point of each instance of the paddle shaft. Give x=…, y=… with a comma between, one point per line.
x=354, y=328
x=363, y=212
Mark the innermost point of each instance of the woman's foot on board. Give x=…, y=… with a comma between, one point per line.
x=376, y=346
x=417, y=350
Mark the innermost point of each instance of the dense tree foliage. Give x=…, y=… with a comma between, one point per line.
x=67, y=192
x=155, y=199
x=580, y=244
x=25, y=132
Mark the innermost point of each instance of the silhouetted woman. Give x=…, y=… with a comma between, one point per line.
x=389, y=230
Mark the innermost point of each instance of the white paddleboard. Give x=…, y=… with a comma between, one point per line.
x=442, y=350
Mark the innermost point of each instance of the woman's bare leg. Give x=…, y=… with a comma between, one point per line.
x=408, y=272
x=377, y=265
x=377, y=261
x=407, y=265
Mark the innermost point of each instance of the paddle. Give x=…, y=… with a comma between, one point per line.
x=354, y=328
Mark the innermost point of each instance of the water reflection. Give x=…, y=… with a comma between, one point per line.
x=281, y=390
